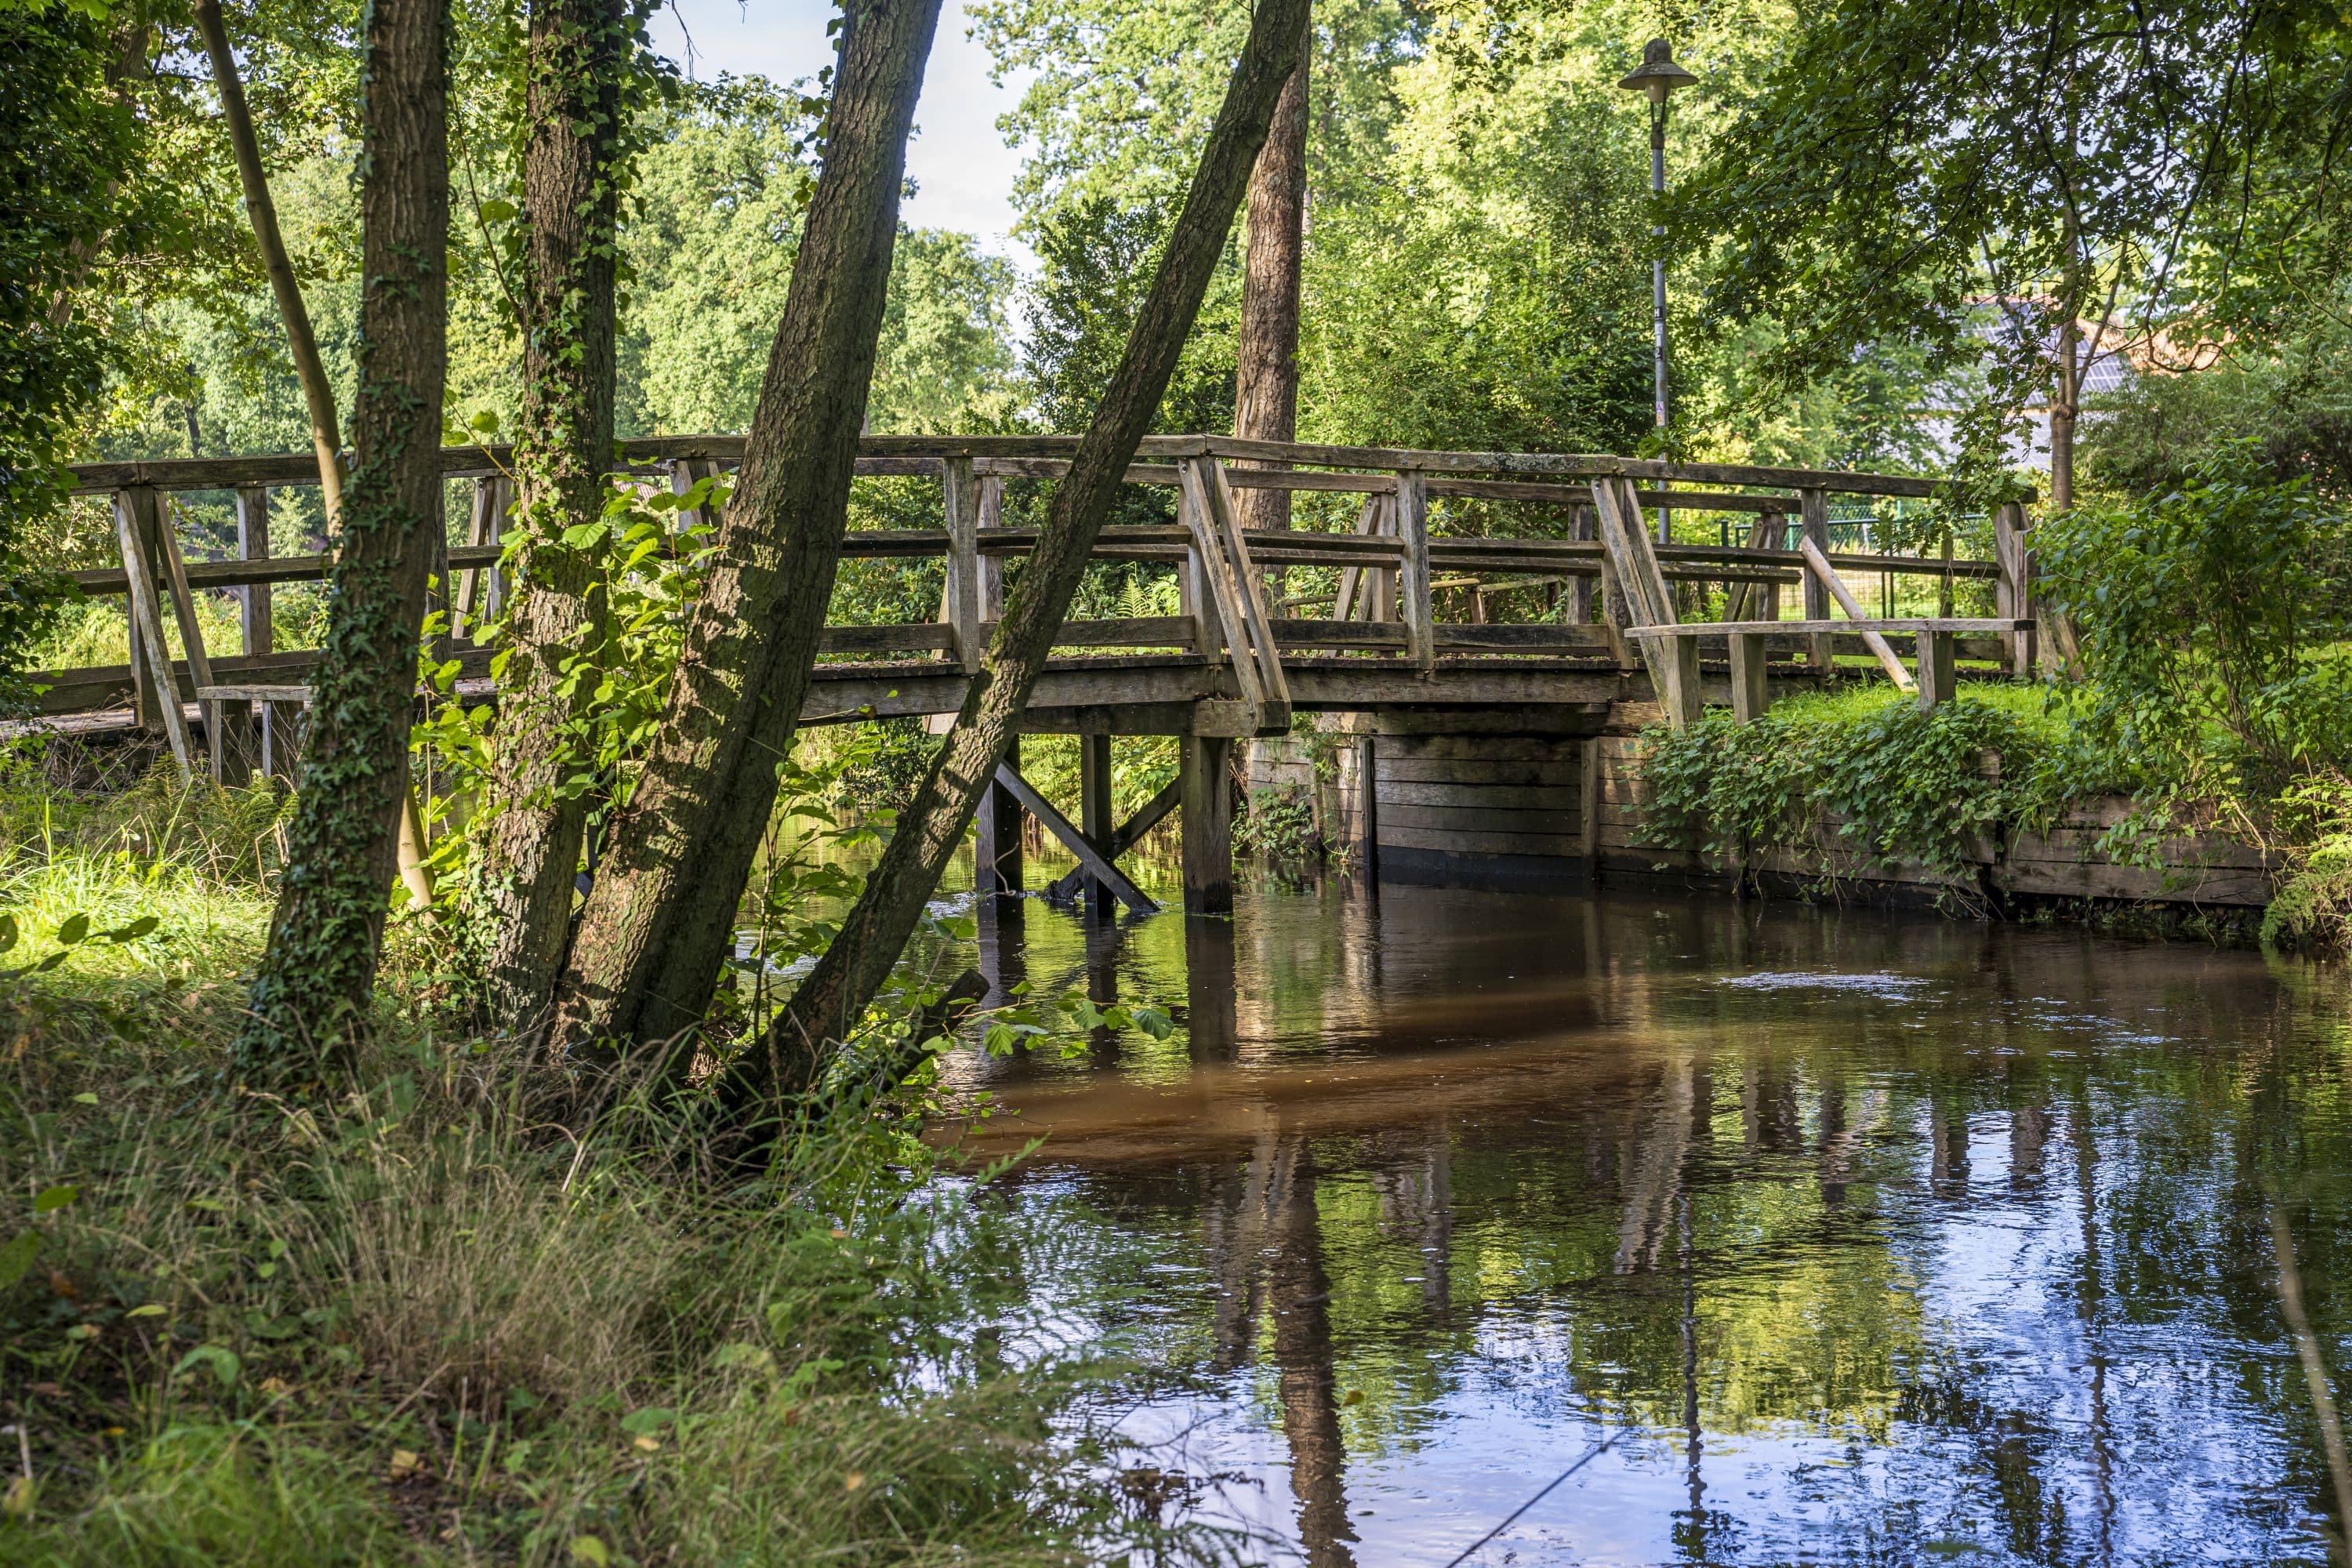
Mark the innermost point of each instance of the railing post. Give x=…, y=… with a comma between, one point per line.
x=1582, y=528
x=245, y=727
x=2013, y=592
x=134, y=527
x=1413, y=578
x=1939, y=673
x=963, y=607
x=1814, y=505
x=1749, y=694
x=991, y=567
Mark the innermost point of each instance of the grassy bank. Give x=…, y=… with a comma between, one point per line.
x=457, y=1315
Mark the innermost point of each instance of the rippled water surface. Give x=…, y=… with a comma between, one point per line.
x=1786, y=1234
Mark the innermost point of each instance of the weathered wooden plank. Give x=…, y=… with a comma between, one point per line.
x=1480, y=795
x=1554, y=846
x=1414, y=604
x=897, y=637
x=136, y=525
x=1529, y=638
x=1339, y=634
x=1749, y=694
x=1892, y=624
x=1565, y=774
x=1565, y=821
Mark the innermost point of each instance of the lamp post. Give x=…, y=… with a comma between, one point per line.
x=1658, y=76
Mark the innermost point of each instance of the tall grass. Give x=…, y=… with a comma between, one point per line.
x=462, y=1313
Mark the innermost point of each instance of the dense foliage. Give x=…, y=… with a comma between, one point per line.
x=1859, y=782
x=2213, y=621
x=67, y=141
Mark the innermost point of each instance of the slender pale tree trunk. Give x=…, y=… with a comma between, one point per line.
x=309, y=365
x=789, y=1057
x=556, y=621
x=301, y=343
x=1265, y=377
x=662, y=915
x=310, y=995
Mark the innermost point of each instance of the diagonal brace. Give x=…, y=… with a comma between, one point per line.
x=1105, y=870
x=1124, y=838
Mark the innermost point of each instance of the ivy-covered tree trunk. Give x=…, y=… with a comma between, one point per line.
x=310, y=995
x=662, y=915
x=1274, y=245
x=790, y=1057
x=577, y=54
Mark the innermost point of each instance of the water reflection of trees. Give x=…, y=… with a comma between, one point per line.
x=1715, y=1212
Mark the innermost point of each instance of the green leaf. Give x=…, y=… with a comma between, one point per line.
x=8, y=932
x=223, y=1361
x=496, y=210
x=133, y=932
x=51, y=1199
x=16, y=1257
x=644, y=1423
x=76, y=928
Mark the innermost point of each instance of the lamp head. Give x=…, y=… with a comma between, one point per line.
x=1658, y=75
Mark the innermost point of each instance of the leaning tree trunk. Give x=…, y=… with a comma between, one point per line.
x=1265, y=375
x=556, y=619
x=790, y=1056
x=310, y=995
x=301, y=343
x=662, y=914
x=309, y=365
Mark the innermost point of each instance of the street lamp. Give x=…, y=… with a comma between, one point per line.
x=1658, y=76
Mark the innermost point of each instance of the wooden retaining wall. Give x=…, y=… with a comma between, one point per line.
x=1568, y=809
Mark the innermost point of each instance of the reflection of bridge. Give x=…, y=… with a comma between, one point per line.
x=1445, y=608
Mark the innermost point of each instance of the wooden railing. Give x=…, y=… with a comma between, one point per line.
x=1389, y=572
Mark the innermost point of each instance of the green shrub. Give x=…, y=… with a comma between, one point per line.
x=1871, y=773
x=2213, y=622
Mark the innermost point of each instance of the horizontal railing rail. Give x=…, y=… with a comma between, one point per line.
x=1372, y=591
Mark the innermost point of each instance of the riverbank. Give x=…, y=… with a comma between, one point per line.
x=459, y=1313
x=1991, y=805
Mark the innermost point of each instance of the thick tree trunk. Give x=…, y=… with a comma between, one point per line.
x=788, y=1058
x=577, y=52
x=1265, y=378
x=662, y=916
x=314, y=982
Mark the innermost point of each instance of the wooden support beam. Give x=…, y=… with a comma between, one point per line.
x=1880, y=648
x=1094, y=813
x=1588, y=780
x=1205, y=782
x=996, y=841
x=1249, y=585
x=1938, y=672
x=1749, y=694
x=1814, y=510
x=1368, y=808
x=135, y=513
x=1637, y=594
x=1682, y=697
x=962, y=610
x=192, y=634
x=2013, y=589
x=1581, y=527
x=1413, y=577
x=1055, y=823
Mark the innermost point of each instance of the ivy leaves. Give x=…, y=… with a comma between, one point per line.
x=1895, y=784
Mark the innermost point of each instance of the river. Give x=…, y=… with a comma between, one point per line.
x=1782, y=1233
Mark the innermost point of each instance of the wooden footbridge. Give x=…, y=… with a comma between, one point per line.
x=1473, y=594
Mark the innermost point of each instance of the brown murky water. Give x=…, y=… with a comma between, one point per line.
x=1785, y=1234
